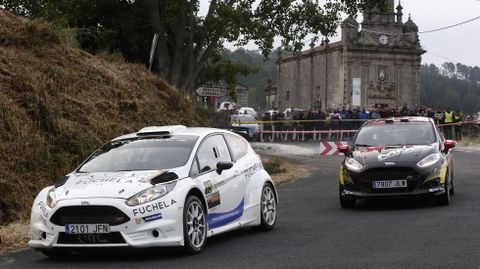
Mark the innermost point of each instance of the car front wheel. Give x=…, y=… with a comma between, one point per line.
x=346, y=202
x=444, y=199
x=194, y=225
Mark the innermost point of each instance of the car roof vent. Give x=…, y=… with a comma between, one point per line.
x=160, y=130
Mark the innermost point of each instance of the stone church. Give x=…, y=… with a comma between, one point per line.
x=377, y=64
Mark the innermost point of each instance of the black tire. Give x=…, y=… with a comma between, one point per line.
x=452, y=186
x=452, y=190
x=344, y=201
x=444, y=199
x=347, y=202
x=268, y=208
x=55, y=253
x=194, y=224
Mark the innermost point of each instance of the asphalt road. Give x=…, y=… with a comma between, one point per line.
x=314, y=232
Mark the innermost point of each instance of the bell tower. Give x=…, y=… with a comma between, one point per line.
x=382, y=18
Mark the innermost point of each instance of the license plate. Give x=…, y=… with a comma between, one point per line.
x=87, y=228
x=389, y=184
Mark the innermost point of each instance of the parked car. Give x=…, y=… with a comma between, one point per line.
x=247, y=111
x=245, y=125
x=397, y=157
x=226, y=106
x=161, y=186
x=292, y=110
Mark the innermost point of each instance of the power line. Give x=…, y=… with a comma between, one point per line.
x=439, y=56
x=450, y=26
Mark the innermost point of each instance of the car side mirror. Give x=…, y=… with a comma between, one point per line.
x=221, y=166
x=344, y=149
x=449, y=144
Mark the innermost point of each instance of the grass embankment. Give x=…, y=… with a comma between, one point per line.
x=59, y=103
x=283, y=172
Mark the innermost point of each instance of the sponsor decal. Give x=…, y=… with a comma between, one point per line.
x=216, y=220
x=344, y=176
x=252, y=170
x=208, y=187
x=213, y=200
x=84, y=203
x=390, y=163
x=91, y=238
x=43, y=217
x=145, y=219
x=393, y=153
x=42, y=207
x=152, y=217
x=153, y=207
x=104, y=180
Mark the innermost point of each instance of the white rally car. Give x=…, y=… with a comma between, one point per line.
x=161, y=186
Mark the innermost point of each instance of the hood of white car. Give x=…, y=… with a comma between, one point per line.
x=122, y=185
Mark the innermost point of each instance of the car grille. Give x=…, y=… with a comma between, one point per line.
x=89, y=215
x=79, y=239
x=366, y=178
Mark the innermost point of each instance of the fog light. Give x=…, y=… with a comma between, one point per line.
x=155, y=233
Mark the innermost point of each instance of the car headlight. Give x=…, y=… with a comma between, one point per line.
x=429, y=160
x=51, y=198
x=151, y=194
x=353, y=164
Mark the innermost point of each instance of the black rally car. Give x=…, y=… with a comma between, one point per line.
x=397, y=157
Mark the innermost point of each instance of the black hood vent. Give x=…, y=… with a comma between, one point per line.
x=164, y=177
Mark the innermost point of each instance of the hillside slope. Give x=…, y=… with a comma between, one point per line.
x=57, y=104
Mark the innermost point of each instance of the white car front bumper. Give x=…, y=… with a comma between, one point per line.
x=158, y=223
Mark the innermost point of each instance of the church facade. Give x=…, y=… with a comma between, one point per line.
x=376, y=64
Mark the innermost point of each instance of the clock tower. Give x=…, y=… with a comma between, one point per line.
x=381, y=61
x=375, y=64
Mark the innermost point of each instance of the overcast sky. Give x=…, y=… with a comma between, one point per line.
x=459, y=44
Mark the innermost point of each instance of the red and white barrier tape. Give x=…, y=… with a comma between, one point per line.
x=459, y=123
x=307, y=132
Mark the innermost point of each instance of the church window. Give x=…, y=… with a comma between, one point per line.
x=382, y=72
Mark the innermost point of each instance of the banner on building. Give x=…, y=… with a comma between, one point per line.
x=356, y=92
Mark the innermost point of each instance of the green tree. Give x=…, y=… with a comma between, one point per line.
x=187, y=41
x=440, y=89
x=449, y=69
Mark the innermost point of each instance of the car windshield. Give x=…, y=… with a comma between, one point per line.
x=141, y=154
x=398, y=134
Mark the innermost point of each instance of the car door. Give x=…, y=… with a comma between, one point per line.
x=225, y=203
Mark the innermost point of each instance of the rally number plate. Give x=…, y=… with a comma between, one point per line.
x=389, y=184
x=87, y=228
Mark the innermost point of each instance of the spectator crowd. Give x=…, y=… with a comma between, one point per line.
x=352, y=119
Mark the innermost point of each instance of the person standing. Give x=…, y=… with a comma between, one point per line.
x=335, y=119
x=458, y=119
x=448, y=121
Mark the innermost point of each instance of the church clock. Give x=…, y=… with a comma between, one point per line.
x=383, y=39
